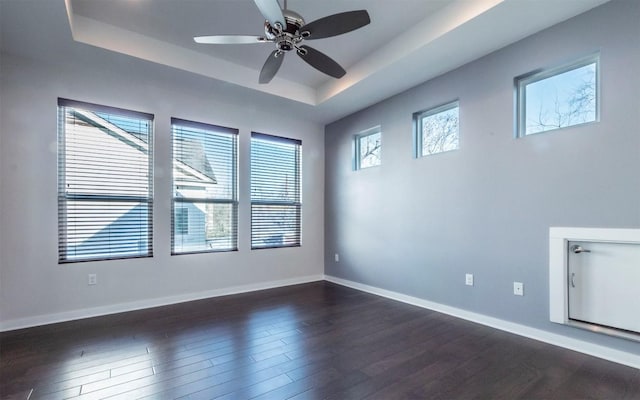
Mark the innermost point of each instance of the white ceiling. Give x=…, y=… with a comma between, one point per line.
x=177, y=22
x=407, y=42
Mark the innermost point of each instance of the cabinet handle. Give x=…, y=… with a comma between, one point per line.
x=576, y=248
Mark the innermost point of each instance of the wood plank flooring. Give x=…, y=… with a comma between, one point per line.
x=312, y=341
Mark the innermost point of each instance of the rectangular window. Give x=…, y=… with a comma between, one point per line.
x=558, y=97
x=275, y=191
x=437, y=130
x=368, y=148
x=105, y=182
x=205, y=203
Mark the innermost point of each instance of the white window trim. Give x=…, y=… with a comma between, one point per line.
x=520, y=83
x=417, y=126
x=356, y=147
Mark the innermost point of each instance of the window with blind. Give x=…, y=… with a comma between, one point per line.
x=105, y=182
x=205, y=204
x=275, y=191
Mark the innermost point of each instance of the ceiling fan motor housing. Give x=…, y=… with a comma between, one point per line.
x=289, y=36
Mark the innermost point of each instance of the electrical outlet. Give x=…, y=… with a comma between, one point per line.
x=468, y=279
x=92, y=279
x=336, y=257
x=518, y=288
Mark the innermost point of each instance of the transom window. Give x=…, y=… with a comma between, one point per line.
x=558, y=97
x=205, y=204
x=368, y=148
x=437, y=129
x=275, y=191
x=105, y=182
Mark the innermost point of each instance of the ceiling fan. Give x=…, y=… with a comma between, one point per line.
x=287, y=30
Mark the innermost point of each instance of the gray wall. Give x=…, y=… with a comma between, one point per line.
x=40, y=63
x=416, y=226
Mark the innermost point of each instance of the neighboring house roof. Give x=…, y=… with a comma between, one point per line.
x=112, y=129
x=191, y=166
x=192, y=160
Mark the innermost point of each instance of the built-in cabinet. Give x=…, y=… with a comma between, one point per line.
x=594, y=279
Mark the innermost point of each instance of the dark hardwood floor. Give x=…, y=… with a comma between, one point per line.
x=312, y=341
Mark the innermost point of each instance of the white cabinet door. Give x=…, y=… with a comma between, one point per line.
x=604, y=284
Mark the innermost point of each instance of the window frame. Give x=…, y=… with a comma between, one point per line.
x=64, y=196
x=257, y=203
x=357, y=139
x=418, y=134
x=521, y=82
x=183, y=202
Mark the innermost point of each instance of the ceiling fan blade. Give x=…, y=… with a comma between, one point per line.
x=271, y=66
x=321, y=62
x=271, y=11
x=336, y=24
x=229, y=39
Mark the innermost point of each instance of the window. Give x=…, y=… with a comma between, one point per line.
x=368, y=146
x=437, y=129
x=205, y=204
x=558, y=97
x=105, y=183
x=275, y=191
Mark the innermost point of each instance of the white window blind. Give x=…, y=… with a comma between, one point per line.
x=105, y=182
x=275, y=191
x=205, y=204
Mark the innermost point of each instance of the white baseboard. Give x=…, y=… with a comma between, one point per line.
x=581, y=346
x=29, y=322
x=620, y=357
